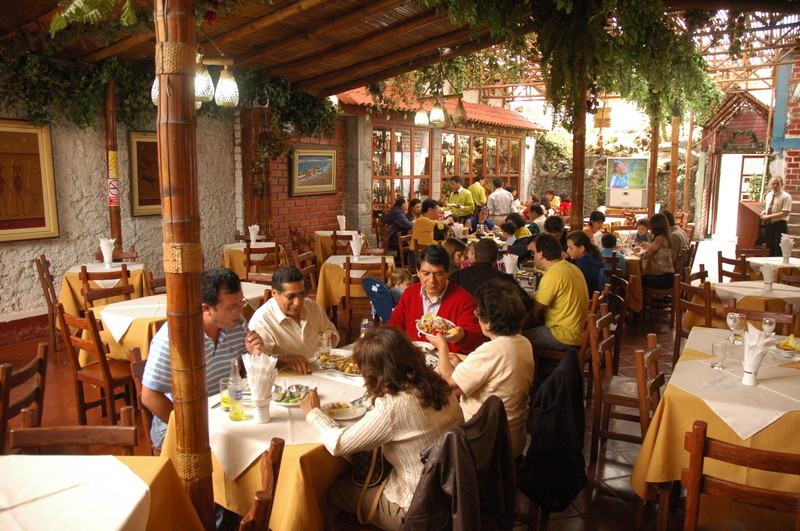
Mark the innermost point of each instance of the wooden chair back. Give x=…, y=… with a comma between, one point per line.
x=378, y=270
x=613, y=261
x=699, y=275
x=137, y=369
x=301, y=243
x=758, y=251
x=602, y=342
x=340, y=243
x=382, y=232
x=257, y=518
x=658, y=299
x=155, y=285
x=783, y=320
x=242, y=237
x=791, y=280
x=260, y=278
x=50, y=298
x=685, y=298
x=617, y=300
x=649, y=380
x=122, y=289
x=738, y=271
x=307, y=264
x=32, y=439
x=270, y=261
x=697, y=482
x=691, y=255
x=35, y=370
x=403, y=248
x=679, y=260
x=119, y=256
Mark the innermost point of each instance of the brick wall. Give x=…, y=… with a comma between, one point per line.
x=745, y=120
x=791, y=157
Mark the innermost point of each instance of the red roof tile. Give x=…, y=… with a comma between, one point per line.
x=476, y=112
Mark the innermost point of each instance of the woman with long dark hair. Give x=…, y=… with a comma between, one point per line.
x=660, y=254
x=587, y=257
x=414, y=406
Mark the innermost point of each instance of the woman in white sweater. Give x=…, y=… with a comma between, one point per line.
x=413, y=408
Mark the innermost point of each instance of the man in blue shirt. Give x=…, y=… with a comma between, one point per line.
x=224, y=340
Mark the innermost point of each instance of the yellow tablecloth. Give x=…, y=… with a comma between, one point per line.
x=307, y=471
x=233, y=259
x=71, y=297
x=330, y=288
x=662, y=455
x=763, y=304
x=323, y=244
x=170, y=507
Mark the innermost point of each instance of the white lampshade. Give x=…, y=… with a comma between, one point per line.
x=334, y=99
x=437, y=115
x=203, y=86
x=154, y=91
x=227, y=90
x=421, y=118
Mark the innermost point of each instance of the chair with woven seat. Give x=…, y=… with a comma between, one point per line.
x=106, y=373
x=35, y=370
x=119, y=256
x=697, y=481
x=137, y=370
x=257, y=518
x=32, y=438
x=50, y=298
x=123, y=288
x=783, y=320
x=739, y=271
x=349, y=303
x=685, y=299
x=266, y=264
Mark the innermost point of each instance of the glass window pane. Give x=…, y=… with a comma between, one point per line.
x=463, y=155
x=402, y=152
x=381, y=154
x=448, y=153
x=502, y=162
x=381, y=194
x=514, y=156
x=402, y=187
x=491, y=156
x=477, y=154
x=422, y=159
x=422, y=188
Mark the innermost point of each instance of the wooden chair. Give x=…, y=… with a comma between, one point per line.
x=269, y=263
x=31, y=438
x=260, y=278
x=684, y=297
x=107, y=374
x=340, y=243
x=307, y=264
x=373, y=251
x=382, y=232
x=613, y=261
x=137, y=370
x=155, y=285
x=403, y=248
x=35, y=370
x=242, y=237
x=758, y=251
x=691, y=255
x=649, y=381
x=350, y=303
x=257, y=518
x=119, y=256
x=300, y=242
x=783, y=321
x=617, y=295
x=123, y=288
x=791, y=280
x=50, y=298
x=697, y=482
x=679, y=260
x=691, y=278
x=659, y=300
x=739, y=271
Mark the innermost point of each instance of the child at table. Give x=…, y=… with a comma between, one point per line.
x=398, y=282
x=469, y=255
x=642, y=231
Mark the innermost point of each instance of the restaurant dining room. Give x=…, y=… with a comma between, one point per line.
x=399, y=264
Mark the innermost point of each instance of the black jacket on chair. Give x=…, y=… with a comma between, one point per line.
x=469, y=476
x=554, y=471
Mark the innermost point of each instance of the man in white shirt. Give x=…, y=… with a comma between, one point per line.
x=289, y=323
x=776, y=216
x=500, y=203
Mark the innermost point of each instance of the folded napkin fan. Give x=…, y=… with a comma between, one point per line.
x=356, y=244
x=768, y=272
x=107, y=249
x=254, y=229
x=341, y=221
x=756, y=346
x=261, y=374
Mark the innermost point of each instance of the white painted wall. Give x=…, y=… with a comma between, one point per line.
x=79, y=162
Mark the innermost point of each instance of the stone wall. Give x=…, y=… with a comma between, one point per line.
x=79, y=163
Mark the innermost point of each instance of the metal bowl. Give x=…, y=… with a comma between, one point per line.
x=277, y=393
x=296, y=391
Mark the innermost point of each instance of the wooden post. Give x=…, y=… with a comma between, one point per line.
x=689, y=156
x=578, y=161
x=183, y=258
x=653, y=173
x=112, y=175
x=673, y=161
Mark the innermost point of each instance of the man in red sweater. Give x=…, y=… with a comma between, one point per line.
x=434, y=294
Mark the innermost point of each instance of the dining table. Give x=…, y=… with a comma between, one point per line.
x=71, y=295
x=133, y=323
x=755, y=263
x=323, y=242
x=233, y=256
x=764, y=416
x=331, y=288
x=78, y=492
x=307, y=468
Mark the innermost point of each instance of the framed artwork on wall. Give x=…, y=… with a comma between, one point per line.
x=313, y=171
x=27, y=189
x=145, y=191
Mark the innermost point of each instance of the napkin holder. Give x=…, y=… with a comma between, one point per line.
x=107, y=250
x=756, y=345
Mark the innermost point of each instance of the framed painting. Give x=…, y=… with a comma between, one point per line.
x=313, y=171
x=145, y=191
x=27, y=189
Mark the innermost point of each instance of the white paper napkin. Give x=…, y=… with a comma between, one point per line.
x=341, y=221
x=254, y=229
x=786, y=245
x=356, y=245
x=768, y=272
x=756, y=346
x=458, y=229
x=510, y=263
x=261, y=374
x=107, y=248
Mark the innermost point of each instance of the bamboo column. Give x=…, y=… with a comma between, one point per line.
x=112, y=176
x=689, y=157
x=578, y=161
x=652, y=181
x=673, y=161
x=183, y=263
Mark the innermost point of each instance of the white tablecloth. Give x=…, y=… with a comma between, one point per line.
x=77, y=492
x=741, y=289
x=338, y=232
x=757, y=261
x=236, y=444
x=747, y=410
x=96, y=267
x=366, y=259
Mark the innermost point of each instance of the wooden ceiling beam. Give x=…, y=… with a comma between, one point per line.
x=270, y=19
x=118, y=47
x=40, y=23
x=776, y=6
x=345, y=20
x=353, y=45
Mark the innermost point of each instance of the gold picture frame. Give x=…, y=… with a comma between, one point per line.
x=27, y=188
x=314, y=171
x=145, y=189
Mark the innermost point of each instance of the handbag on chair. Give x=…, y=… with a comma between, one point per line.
x=367, y=470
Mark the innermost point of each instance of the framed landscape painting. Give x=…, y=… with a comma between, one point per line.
x=313, y=171
x=145, y=191
x=27, y=190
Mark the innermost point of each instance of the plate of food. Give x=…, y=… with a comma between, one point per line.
x=788, y=348
x=343, y=410
x=327, y=359
x=431, y=324
x=347, y=366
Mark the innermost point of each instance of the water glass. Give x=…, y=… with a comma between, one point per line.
x=324, y=343
x=224, y=398
x=739, y=323
x=719, y=352
x=768, y=325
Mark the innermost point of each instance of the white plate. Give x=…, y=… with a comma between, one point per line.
x=285, y=404
x=451, y=324
x=787, y=354
x=337, y=371
x=425, y=346
x=351, y=413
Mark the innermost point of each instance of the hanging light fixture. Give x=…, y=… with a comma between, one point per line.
x=460, y=113
x=334, y=99
x=154, y=91
x=203, y=86
x=421, y=118
x=227, y=91
x=438, y=118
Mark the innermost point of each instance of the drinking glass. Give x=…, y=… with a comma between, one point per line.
x=325, y=342
x=223, y=393
x=719, y=351
x=730, y=320
x=768, y=325
x=739, y=323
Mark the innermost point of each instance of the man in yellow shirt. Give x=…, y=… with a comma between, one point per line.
x=562, y=295
x=478, y=191
x=461, y=197
x=427, y=223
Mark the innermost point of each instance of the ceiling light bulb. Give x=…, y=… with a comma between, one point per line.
x=421, y=118
x=154, y=91
x=437, y=115
x=227, y=90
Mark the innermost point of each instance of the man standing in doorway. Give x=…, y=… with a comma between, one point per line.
x=776, y=216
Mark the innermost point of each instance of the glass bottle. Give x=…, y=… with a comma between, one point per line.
x=235, y=393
